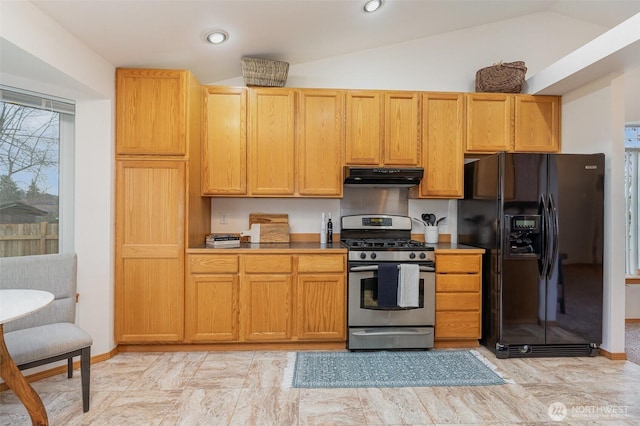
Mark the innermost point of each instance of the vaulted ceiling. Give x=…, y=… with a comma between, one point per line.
x=170, y=34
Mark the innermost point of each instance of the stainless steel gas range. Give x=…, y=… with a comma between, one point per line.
x=391, y=284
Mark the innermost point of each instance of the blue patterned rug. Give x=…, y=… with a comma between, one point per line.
x=390, y=369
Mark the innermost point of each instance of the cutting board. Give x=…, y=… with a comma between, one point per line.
x=268, y=218
x=274, y=232
x=274, y=227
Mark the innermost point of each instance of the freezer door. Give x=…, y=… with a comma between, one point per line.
x=523, y=282
x=574, y=286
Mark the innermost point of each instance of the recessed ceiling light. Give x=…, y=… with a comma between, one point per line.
x=217, y=37
x=372, y=5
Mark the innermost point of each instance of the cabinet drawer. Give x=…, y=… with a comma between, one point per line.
x=457, y=325
x=457, y=301
x=268, y=264
x=469, y=263
x=458, y=282
x=321, y=263
x=213, y=264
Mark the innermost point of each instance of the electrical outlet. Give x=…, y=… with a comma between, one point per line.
x=223, y=218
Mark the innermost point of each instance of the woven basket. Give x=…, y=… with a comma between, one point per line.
x=503, y=77
x=264, y=72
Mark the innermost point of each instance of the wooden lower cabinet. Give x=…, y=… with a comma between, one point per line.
x=212, y=299
x=322, y=296
x=458, y=299
x=265, y=298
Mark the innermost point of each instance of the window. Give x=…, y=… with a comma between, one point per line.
x=632, y=189
x=36, y=136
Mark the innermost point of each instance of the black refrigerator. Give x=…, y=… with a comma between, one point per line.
x=540, y=219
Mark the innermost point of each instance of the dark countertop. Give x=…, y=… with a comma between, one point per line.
x=313, y=247
x=454, y=247
x=297, y=247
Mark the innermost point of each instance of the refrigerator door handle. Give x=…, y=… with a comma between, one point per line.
x=543, y=263
x=554, y=244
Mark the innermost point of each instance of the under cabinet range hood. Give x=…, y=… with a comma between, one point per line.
x=382, y=176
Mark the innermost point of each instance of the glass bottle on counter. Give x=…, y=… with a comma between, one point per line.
x=329, y=230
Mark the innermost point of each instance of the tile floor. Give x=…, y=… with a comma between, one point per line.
x=244, y=388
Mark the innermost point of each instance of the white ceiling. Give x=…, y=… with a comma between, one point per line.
x=170, y=34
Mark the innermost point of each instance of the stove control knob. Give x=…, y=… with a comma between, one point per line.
x=363, y=255
x=412, y=255
x=423, y=255
x=374, y=255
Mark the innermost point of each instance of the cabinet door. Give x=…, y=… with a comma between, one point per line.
x=266, y=302
x=212, y=298
x=364, y=127
x=271, y=143
x=401, y=128
x=489, y=122
x=151, y=111
x=212, y=313
x=149, y=282
x=224, y=162
x=321, y=307
x=320, y=142
x=537, y=123
x=442, y=145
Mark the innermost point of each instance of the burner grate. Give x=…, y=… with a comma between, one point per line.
x=370, y=243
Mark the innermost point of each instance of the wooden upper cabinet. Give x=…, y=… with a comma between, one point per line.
x=401, y=131
x=537, y=123
x=320, y=142
x=224, y=153
x=364, y=127
x=151, y=111
x=382, y=128
x=442, y=145
x=271, y=141
x=489, y=122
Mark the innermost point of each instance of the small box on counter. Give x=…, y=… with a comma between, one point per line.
x=222, y=240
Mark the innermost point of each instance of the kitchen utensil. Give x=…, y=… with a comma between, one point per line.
x=440, y=220
x=429, y=218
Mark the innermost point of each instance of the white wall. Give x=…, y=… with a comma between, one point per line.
x=632, y=301
x=632, y=105
x=46, y=58
x=447, y=62
x=593, y=121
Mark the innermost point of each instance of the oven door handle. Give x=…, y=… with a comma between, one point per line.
x=375, y=268
x=391, y=332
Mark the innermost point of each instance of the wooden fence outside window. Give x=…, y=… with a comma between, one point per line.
x=26, y=239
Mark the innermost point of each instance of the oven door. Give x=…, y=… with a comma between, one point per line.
x=363, y=310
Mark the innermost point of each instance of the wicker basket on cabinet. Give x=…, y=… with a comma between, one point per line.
x=264, y=72
x=503, y=77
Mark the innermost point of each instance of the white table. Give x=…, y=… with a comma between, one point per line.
x=16, y=304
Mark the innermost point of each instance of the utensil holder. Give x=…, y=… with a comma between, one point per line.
x=431, y=234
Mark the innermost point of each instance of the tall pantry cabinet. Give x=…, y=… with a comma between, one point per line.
x=159, y=210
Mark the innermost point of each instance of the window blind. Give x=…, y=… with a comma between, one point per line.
x=36, y=100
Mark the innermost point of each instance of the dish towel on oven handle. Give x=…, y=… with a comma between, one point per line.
x=409, y=286
x=388, y=285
